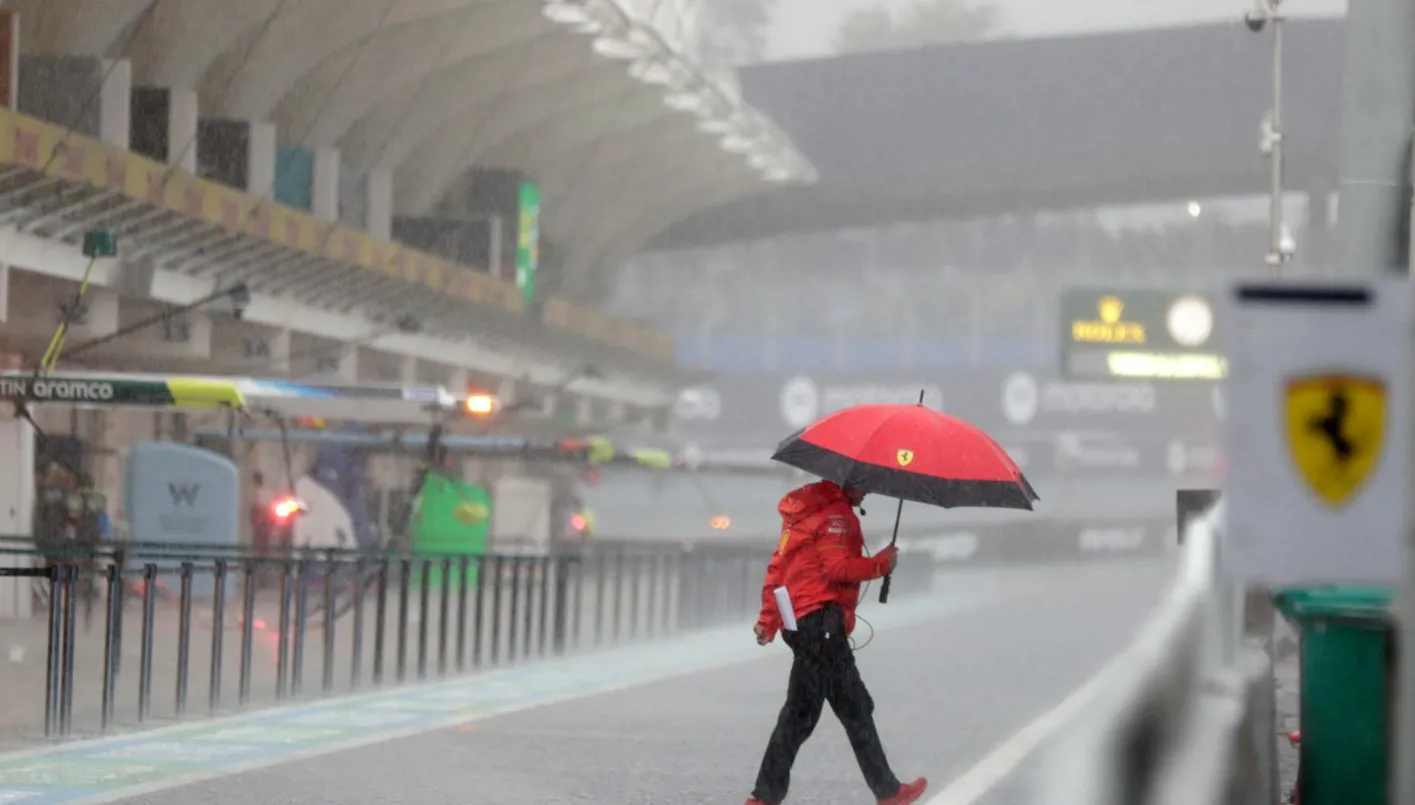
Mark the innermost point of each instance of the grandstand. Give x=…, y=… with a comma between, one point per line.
x=482, y=166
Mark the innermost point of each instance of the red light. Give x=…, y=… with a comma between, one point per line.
x=285, y=508
x=480, y=404
x=577, y=522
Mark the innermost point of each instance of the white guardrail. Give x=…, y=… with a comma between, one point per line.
x=1186, y=714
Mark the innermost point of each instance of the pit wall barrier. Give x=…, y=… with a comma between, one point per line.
x=1045, y=541
x=120, y=638
x=1186, y=713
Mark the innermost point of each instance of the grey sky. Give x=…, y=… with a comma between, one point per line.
x=804, y=27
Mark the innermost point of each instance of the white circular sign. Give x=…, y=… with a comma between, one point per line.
x=1020, y=398
x=800, y=400
x=1190, y=321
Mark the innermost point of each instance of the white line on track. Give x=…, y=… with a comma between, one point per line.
x=1007, y=757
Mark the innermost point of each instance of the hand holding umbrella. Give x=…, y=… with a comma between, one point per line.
x=908, y=452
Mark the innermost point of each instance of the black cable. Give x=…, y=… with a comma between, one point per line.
x=861, y=619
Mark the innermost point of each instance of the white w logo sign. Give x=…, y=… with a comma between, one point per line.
x=185, y=493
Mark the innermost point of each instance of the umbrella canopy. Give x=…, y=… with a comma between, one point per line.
x=909, y=452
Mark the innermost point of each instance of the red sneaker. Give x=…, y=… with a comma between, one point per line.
x=908, y=793
x=755, y=802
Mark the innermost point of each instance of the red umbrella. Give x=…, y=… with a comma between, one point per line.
x=912, y=453
x=909, y=452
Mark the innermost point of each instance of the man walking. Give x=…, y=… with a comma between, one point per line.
x=821, y=562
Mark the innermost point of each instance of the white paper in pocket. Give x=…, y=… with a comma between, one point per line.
x=783, y=605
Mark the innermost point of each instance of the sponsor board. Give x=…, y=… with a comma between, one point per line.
x=1024, y=397
x=1015, y=406
x=64, y=390
x=1114, y=333
x=1046, y=541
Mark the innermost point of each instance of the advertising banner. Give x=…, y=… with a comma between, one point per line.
x=1134, y=333
x=1044, y=541
x=1042, y=418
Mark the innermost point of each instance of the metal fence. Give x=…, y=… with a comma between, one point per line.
x=147, y=632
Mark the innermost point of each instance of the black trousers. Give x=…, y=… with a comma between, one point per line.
x=824, y=671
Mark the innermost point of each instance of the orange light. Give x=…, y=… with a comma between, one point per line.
x=287, y=507
x=480, y=404
x=577, y=522
x=721, y=522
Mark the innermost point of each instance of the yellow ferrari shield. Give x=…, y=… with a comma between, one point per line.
x=905, y=457
x=1335, y=430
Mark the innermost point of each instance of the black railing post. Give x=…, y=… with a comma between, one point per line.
x=380, y=615
x=331, y=568
x=149, y=614
x=54, y=658
x=405, y=568
x=112, y=616
x=66, y=701
x=356, y=647
x=249, y=580
x=463, y=565
x=184, y=635
x=424, y=607
x=218, y=635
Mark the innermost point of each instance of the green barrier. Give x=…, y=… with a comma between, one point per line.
x=1347, y=691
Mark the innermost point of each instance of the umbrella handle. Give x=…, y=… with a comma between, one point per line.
x=888, y=577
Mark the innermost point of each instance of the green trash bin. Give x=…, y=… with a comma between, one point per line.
x=1347, y=663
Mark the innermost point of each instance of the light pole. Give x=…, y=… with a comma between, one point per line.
x=1270, y=142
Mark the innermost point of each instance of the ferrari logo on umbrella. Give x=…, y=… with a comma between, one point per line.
x=1335, y=430
x=904, y=457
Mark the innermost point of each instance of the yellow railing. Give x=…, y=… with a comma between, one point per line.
x=31, y=143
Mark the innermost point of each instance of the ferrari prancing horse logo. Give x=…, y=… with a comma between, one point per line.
x=1335, y=431
x=906, y=457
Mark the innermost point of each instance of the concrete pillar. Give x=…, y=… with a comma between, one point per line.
x=183, y=111
x=380, y=205
x=1378, y=103
x=261, y=164
x=324, y=190
x=408, y=370
x=115, y=104
x=4, y=293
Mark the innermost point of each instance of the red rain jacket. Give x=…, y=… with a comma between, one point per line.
x=821, y=556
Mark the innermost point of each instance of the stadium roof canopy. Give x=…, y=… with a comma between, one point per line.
x=623, y=134
x=1012, y=126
